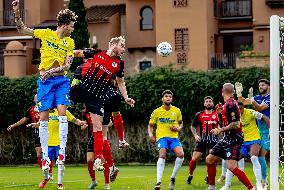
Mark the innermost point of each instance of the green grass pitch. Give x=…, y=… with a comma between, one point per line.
x=129, y=178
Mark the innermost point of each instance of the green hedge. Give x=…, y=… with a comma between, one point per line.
x=189, y=89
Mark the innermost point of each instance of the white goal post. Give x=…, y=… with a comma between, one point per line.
x=276, y=126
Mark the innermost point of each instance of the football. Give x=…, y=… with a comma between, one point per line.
x=164, y=49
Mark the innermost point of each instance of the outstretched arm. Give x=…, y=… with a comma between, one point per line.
x=18, y=123
x=19, y=23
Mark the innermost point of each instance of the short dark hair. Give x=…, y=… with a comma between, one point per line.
x=65, y=17
x=265, y=81
x=167, y=92
x=208, y=97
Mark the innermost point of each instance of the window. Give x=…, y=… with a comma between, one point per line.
x=143, y=65
x=181, y=39
x=8, y=13
x=181, y=44
x=146, y=21
x=180, y=3
x=215, y=8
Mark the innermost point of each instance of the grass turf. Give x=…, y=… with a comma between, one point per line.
x=129, y=178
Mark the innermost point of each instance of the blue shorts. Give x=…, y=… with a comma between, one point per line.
x=247, y=145
x=168, y=143
x=53, y=92
x=53, y=152
x=265, y=141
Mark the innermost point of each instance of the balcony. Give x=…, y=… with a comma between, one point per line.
x=223, y=61
x=275, y=3
x=236, y=9
x=7, y=17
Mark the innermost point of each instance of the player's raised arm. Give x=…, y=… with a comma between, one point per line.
x=18, y=123
x=19, y=23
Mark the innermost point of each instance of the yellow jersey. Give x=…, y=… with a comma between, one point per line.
x=249, y=125
x=164, y=119
x=53, y=127
x=53, y=48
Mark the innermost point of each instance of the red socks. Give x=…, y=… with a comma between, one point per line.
x=98, y=144
x=106, y=173
x=211, y=171
x=118, y=124
x=107, y=153
x=192, y=166
x=91, y=171
x=109, y=161
x=39, y=161
x=242, y=177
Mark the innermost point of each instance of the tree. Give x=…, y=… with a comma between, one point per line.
x=80, y=34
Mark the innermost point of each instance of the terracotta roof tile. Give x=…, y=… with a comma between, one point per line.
x=102, y=13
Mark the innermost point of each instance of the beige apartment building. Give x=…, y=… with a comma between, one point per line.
x=204, y=34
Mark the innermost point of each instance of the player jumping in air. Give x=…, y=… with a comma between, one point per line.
x=53, y=86
x=93, y=89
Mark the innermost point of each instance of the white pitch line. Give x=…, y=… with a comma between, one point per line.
x=18, y=185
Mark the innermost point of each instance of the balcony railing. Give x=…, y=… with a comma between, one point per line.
x=236, y=8
x=275, y=3
x=223, y=61
x=8, y=17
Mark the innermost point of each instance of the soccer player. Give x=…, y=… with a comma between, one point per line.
x=95, y=84
x=54, y=144
x=168, y=120
x=229, y=146
x=251, y=143
x=53, y=86
x=261, y=103
x=206, y=120
x=112, y=104
x=110, y=171
x=31, y=116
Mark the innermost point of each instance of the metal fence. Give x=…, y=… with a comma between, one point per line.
x=8, y=17
x=236, y=8
x=223, y=60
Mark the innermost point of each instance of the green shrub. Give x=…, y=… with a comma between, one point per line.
x=189, y=89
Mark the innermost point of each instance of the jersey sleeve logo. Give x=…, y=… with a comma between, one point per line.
x=114, y=64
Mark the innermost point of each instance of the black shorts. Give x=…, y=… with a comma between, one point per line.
x=227, y=150
x=93, y=104
x=202, y=146
x=90, y=144
x=37, y=141
x=111, y=105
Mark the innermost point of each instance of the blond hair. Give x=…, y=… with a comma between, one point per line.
x=116, y=40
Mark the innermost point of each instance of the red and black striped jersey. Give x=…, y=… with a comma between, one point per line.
x=33, y=117
x=98, y=73
x=231, y=113
x=207, y=122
